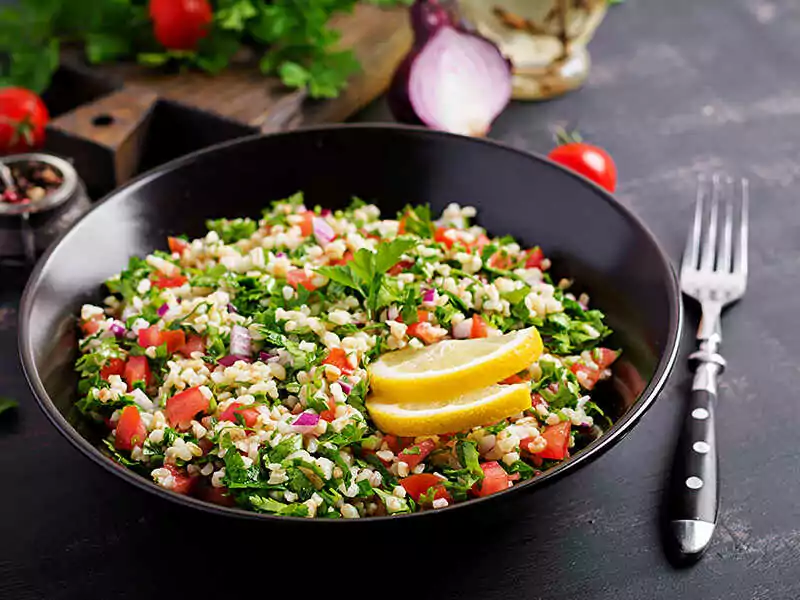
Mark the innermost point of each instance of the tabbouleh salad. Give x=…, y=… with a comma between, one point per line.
x=233, y=367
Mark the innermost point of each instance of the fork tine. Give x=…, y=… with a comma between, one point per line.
x=726, y=245
x=740, y=264
x=710, y=243
x=692, y=252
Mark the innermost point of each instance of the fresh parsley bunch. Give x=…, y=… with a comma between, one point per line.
x=291, y=39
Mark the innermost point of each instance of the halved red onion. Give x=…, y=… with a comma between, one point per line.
x=323, y=232
x=463, y=330
x=453, y=80
x=231, y=359
x=162, y=310
x=306, y=423
x=241, y=342
x=117, y=328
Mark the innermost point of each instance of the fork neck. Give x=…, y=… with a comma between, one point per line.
x=709, y=334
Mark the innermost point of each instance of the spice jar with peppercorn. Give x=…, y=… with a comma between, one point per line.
x=41, y=195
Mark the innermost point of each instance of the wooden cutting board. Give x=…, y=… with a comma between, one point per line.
x=115, y=126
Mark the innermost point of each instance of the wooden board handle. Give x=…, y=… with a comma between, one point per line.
x=112, y=128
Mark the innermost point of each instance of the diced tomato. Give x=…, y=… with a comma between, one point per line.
x=604, y=357
x=137, y=369
x=298, y=277
x=249, y=414
x=397, y=444
x=183, y=482
x=557, y=437
x=587, y=376
x=194, y=343
x=346, y=258
x=419, y=484
x=183, y=407
x=498, y=260
x=495, y=479
x=217, y=495
x=164, y=282
x=329, y=414
x=150, y=336
x=538, y=400
x=131, y=431
x=338, y=358
x=413, y=455
x=423, y=331
x=517, y=378
x=177, y=245
x=91, y=326
x=175, y=339
x=535, y=258
x=479, y=327
x=401, y=267
x=307, y=225
x=402, y=227
x=480, y=243
x=446, y=236
x=116, y=366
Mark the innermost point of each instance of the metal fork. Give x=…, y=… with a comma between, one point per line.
x=714, y=273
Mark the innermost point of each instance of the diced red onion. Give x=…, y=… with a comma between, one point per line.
x=306, y=422
x=117, y=328
x=323, y=232
x=280, y=255
x=430, y=296
x=241, y=342
x=162, y=310
x=463, y=330
x=346, y=387
x=232, y=308
x=325, y=212
x=227, y=361
x=265, y=356
x=452, y=80
x=392, y=313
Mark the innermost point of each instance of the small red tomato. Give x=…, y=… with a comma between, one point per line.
x=590, y=161
x=23, y=117
x=180, y=24
x=131, y=431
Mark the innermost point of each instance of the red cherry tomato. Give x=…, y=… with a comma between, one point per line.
x=130, y=429
x=23, y=117
x=180, y=24
x=590, y=161
x=183, y=407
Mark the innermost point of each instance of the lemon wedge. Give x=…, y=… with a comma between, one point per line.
x=479, y=407
x=452, y=367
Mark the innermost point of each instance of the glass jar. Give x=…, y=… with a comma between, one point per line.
x=544, y=39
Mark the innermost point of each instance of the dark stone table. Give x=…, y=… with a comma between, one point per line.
x=678, y=88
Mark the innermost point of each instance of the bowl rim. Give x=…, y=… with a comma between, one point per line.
x=591, y=452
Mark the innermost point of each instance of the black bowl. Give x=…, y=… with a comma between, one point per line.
x=588, y=235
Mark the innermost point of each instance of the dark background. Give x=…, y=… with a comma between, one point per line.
x=678, y=88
